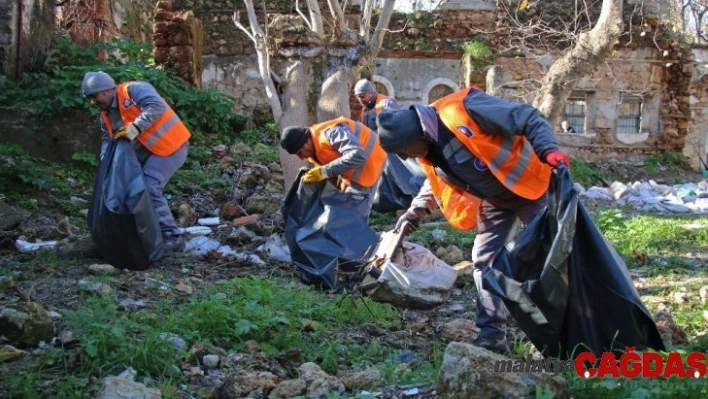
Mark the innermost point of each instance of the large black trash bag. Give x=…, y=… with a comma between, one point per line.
x=122, y=219
x=324, y=232
x=566, y=286
x=400, y=182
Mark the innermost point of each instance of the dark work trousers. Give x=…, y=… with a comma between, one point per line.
x=496, y=225
x=158, y=171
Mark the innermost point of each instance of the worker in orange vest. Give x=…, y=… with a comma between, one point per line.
x=372, y=102
x=343, y=150
x=487, y=162
x=135, y=111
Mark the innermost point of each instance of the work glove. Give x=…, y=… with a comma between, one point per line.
x=413, y=216
x=314, y=175
x=555, y=159
x=128, y=131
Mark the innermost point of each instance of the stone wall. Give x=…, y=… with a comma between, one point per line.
x=56, y=138
x=6, y=34
x=179, y=39
x=102, y=20
x=420, y=61
x=697, y=139
x=26, y=31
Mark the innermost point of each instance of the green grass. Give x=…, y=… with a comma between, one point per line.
x=228, y=315
x=653, y=235
x=584, y=174
x=670, y=161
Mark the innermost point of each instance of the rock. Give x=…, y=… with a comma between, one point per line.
x=10, y=217
x=101, y=268
x=319, y=383
x=453, y=255
x=9, y=352
x=186, y=215
x=263, y=205
x=218, y=152
x=77, y=247
x=211, y=361
x=175, y=340
x=680, y=297
x=230, y=211
x=116, y=387
x=240, y=235
x=7, y=283
x=25, y=324
x=254, y=384
x=468, y=371
x=248, y=180
x=288, y=389
x=703, y=293
x=366, y=379
x=669, y=331
x=460, y=330
x=241, y=149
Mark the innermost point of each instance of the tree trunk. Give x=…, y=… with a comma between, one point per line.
x=345, y=56
x=295, y=113
x=334, y=97
x=591, y=50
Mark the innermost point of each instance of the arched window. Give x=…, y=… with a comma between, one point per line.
x=437, y=89
x=438, y=92
x=381, y=88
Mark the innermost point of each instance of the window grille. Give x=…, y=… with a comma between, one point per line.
x=630, y=114
x=574, y=113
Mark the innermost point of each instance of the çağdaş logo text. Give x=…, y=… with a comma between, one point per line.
x=630, y=364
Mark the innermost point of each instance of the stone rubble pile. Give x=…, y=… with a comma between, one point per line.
x=649, y=196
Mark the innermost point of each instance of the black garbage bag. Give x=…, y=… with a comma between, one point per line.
x=324, y=232
x=122, y=219
x=566, y=286
x=400, y=182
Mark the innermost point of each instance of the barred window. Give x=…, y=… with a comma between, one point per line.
x=574, y=112
x=630, y=114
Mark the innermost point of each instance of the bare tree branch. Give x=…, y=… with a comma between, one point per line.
x=316, y=17
x=379, y=33
x=259, y=40
x=304, y=17
x=237, y=21
x=367, y=9
x=339, y=21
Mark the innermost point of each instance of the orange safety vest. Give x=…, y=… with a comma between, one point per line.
x=163, y=137
x=457, y=205
x=378, y=107
x=512, y=160
x=366, y=175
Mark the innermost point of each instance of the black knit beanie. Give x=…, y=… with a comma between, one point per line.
x=293, y=138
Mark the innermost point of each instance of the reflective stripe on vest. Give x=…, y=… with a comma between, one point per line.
x=512, y=160
x=163, y=137
x=366, y=175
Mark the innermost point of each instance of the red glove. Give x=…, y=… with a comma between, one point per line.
x=555, y=159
